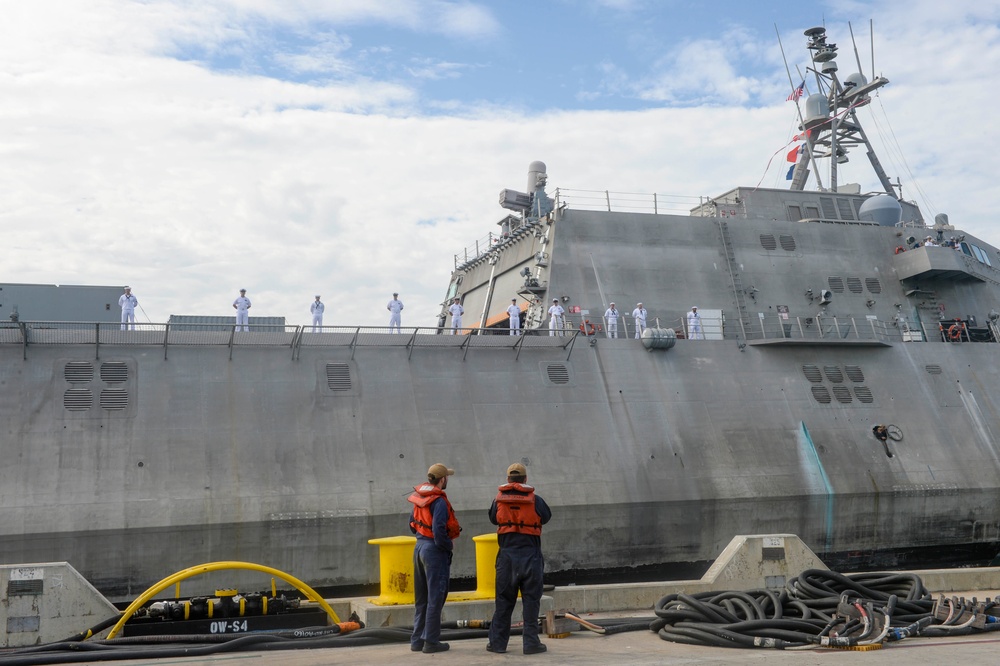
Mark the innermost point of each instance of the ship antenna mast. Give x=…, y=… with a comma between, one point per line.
x=831, y=123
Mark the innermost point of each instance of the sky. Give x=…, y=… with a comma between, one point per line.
x=351, y=148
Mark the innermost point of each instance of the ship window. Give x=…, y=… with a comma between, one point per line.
x=794, y=213
x=854, y=284
x=787, y=242
x=864, y=394
x=78, y=400
x=338, y=376
x=836, y=284
x=965, y=248
x=833, y=373
x=812, y=373
x=844, y=206
x=821, y=395
x=78, y=372
x=829, y=209
x=767, y=242
x=874, y=286
x=812, y=212
x=842, y=394
x=854, y=373
x=114, y=399
x=114, y=371
x=557, y=373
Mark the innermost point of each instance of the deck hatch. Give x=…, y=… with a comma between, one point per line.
x=78, y=372
x=114, y=372
x=78, y=400
x=338, y=376
x=767, y=242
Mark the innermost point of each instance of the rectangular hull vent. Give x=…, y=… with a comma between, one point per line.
x=78, y=372
x=114, y=372
x=78, y=400
x=338, y=376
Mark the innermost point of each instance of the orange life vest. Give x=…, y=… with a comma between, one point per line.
x=422, y=520
x=516, y=510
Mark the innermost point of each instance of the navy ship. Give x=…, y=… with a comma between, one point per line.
x=782, y=326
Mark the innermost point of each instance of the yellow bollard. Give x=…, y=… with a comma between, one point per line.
x=395, y=567
x=487, y=548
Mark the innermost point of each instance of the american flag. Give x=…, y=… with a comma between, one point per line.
x=795, y=94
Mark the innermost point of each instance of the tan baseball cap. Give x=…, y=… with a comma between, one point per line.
x=517, y=469
x=438, y=471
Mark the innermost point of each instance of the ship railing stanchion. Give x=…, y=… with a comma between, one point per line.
x=296, y=343
x=354, y=341
x=24, y=339
x=519, y=344
x=570, y=344
x=411, y=343
x=166, y=338
x=232, y=336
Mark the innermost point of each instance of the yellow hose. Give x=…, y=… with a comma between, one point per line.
x=216, y=566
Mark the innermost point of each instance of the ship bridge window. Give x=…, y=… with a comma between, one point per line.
x=794, y=213
x=812, y=211
x=836, y=284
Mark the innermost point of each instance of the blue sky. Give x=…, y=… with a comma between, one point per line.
x=352, y=148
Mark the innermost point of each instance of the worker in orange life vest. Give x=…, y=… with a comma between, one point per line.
x=519, y=515
x=433, y=521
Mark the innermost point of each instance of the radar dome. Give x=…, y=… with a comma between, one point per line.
x=817, y=109
x=881, y=209
x=855, y=80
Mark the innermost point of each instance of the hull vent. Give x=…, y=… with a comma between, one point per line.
x=78, y=400
x=854, y=284
x=787, y=242
x=767, y=242
x=842, y=394
x=864, y=394
x=933, y=369
x=114, y=372
x=78, y=372
x=812, y=373
x=836, y=284
x=821, y=394
x=338, y=376
x=854, y=373
x=114, y=399
x=557, y=373
x=874, y=286
x=834, y=374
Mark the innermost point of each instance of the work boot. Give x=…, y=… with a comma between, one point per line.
x=490, y=648
x=430, y=648
x=416, y=647
x=534, y=649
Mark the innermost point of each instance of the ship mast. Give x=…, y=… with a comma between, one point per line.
x=830, y=123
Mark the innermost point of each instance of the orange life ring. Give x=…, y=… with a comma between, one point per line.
x=587, y=328
x=900, y=249
x=955, y=332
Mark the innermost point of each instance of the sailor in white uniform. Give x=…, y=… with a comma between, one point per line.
x=557, y=319
x=242, y=307
x=317, y=309
x=395, y=307
x=456, y=311
x=127, y=302
x=694, y=325
x=611, y=319
x=639, y=314
x=514, y=312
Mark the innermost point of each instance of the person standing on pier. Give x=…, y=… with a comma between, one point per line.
x=519, y=515
x=433, y=521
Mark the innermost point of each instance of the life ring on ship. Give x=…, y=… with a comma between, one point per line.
x=900, y=249
x=587, y=328
x=955, y=332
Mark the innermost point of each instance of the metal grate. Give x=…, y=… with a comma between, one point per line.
x=854, y=284
x=114, y=399
x=864, y=394
x=834, y=374
x=874, y=285
x=933, y=369
x=836, y=284
x=78, y=400
x=18, y=588
x=794, y=213
x=842, y=394
x=557, y=373
x=78, y=372
x=821, y=394
x=114, y=372
x=767, y=242
x=787, y=242
x=844, y=207
x=338, y=376
x=829, y=208
x=854, y=373
x=812, y=373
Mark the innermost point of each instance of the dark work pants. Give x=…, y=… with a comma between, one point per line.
x=517, y=569
x=431, y=569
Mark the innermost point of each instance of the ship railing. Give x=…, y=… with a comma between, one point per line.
x=626, y=202
x=822, y=328
x=107, y=334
